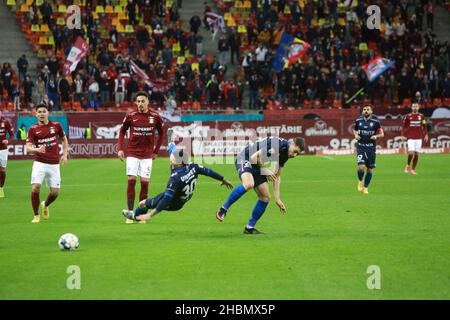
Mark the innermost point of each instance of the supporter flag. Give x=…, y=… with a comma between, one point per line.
x=77, y=52
x=297, y=50
x=289, y=51
x=215, y=23
x=155, y=85
x=376, y=67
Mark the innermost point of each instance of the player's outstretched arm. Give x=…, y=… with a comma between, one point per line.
x=277, y=193
x=212, y=174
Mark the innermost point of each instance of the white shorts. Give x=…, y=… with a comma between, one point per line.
x=49, y=172
x=415, y=145
x=3, y=158
x=139, y=167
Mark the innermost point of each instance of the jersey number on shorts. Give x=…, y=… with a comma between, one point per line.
x=189, y=190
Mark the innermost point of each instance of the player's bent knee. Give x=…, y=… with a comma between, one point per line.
x=265, y=198
x=36, y=188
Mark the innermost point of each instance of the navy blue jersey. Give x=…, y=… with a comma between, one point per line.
x=181, y=185
x=366, y=129
x=272, y=149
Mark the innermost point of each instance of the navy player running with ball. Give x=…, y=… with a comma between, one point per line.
x=179, y=189
x=367, y=131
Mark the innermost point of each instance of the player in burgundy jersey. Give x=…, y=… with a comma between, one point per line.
x=43, y=141
x=414, y=129
x=5, y=129
x=143, y=146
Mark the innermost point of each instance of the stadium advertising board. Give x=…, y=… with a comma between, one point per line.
x=226, y=138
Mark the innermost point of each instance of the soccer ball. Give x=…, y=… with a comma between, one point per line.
x=68, y=241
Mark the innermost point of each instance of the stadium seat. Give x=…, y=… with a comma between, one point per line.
x=99, y=9
x=406, y=102
x=437, y=103
x=35, y=28
x=43, y=41
x=39, y=3
x=109, y=9
x=24, y=8
x=447, y=102
x=60, y=21
x=45, y=28
x=62, y=8
x=120, y=28
x=118, y=9
x=129, y=28
x=11, y=2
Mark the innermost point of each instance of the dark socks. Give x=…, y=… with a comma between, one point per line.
x=35, y=202
x=131, y=193
x=367, y=179
x=51, y=197
x=144, y=190
x=410, y=156
x=360, y=175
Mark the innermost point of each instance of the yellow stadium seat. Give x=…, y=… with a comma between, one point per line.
x=24, y=8
x=60, y=21
x=129, y=28
x=95, y=15
x=238, y=4
x=99, y=9
x=122, y=16
x=35, y=28
x=29, y=2
x=44, y=28
x=231, y=23
x=227, y=16
x=176, y=47
x=11, y=2
x=39, y=2
x=247, y=5
x=109, y=9
x=120, y=28
x=118, y=9
x=242, y=28
x=180, y=60
x=43, y=40
x=62, y=8
x=123, y=3
x=51, y=41
x=115, y=22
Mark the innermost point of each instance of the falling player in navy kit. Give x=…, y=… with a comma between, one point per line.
x=367, y=131
x=254, y=174
x=179, y=189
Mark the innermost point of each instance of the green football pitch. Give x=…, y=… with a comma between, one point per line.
x=321, y=249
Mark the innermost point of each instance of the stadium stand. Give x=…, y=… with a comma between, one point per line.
x=154, y=36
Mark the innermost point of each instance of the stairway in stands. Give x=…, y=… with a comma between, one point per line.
x=13, y=42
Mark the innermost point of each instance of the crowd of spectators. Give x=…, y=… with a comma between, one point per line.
x=171, y=50
x=341, y=43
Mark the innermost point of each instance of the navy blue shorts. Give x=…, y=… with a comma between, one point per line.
x=152, y=203
x=366, y=157
x=246, y=166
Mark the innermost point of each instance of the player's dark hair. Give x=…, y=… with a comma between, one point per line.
x=367, y=105
x=142, y=93
x=41, y=105
x=300, y=142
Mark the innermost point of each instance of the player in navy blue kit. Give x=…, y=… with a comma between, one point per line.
x=367, y=130
x=254, y=174
x=179, y=189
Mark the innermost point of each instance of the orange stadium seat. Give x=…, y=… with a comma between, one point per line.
x=447, y=102
x=406, y=102
x=337, y=103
